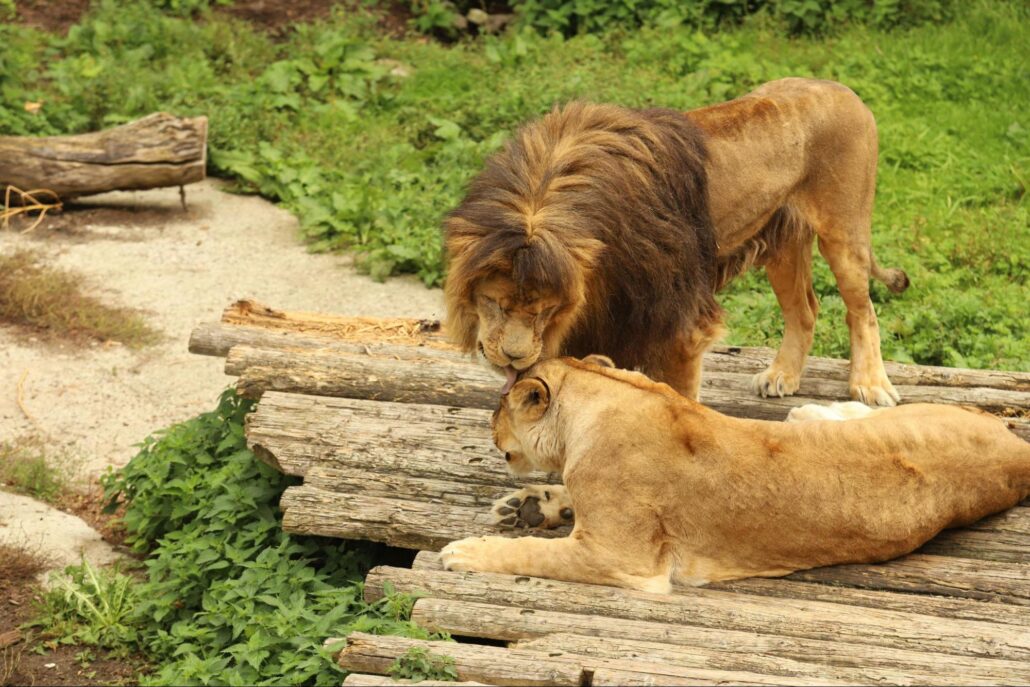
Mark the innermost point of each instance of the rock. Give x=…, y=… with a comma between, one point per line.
x=61, y=538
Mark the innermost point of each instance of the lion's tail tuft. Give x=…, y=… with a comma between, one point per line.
x=896, y=280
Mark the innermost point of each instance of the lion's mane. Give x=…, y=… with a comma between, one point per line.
x=605, y=205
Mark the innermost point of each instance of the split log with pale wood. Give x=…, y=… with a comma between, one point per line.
x=155, y=151
x=388, y=425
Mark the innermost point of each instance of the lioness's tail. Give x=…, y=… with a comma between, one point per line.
x=896, y=280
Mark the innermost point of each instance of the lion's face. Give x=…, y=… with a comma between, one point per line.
x=521, y=428
x=514, y=333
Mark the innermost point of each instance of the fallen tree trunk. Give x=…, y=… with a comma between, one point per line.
x=157, y=150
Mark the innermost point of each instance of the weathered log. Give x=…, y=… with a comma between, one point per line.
x=397, y=522
x=440, y=381
x=977, y=577
x=511, y=624
x=262, y=321
x=363, y=680
x=490, y=664
x=157, y=150
x=931, y=585
x=693, y=656
x=500, y=666
x=716, y=609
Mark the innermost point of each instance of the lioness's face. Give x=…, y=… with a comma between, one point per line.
x=512, y=332
x=521, y=433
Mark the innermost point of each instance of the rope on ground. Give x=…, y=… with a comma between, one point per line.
x=19, y=397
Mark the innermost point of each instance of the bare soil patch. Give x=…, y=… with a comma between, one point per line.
x=56, y=17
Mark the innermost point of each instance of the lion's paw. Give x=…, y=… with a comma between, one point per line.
x=542, y=507
x=878, y=393
x=472, y=554
x=775, y=382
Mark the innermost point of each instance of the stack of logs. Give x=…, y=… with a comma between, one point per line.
x=389, y=427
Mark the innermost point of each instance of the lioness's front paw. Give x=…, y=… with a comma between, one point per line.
x=472, y=554
x=874, y=392
x=775, y=382
x=543, y=507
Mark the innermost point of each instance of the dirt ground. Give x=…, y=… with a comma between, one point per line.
x=180, y=268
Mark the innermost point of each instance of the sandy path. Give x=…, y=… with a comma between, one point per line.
x=182, y=269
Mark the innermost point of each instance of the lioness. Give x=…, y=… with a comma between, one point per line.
x=600, y=229
x=664, y=488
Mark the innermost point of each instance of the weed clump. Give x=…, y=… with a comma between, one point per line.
x=50, y=300
x=25, y=468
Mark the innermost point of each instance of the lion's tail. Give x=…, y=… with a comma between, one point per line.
x=896, y=280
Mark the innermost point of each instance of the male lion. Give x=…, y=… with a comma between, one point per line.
x=664, y=488
x=604, y=229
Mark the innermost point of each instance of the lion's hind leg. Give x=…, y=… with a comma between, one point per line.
x=790, y=273
x=850, y=262
x=542, y=507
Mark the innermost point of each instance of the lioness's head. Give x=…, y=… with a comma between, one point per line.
x=525, y=425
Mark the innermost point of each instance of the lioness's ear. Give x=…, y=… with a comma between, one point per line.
x=600, y=360
x=530, y=397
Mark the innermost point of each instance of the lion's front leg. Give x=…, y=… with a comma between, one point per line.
x=569, y=559
x=541, y=506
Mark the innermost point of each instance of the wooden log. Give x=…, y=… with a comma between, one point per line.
x=363, y=680
x=924, y=574
x=440, y=381
x=500, y=666
x=512, y=624
x=490, y=664
x=917, y=583
x=217, y=339
x=693, y=656
x=397, y=522
x=716, y=609
x=448, y=381
x=157, y=150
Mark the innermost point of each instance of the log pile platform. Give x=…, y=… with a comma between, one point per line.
x=388, y=425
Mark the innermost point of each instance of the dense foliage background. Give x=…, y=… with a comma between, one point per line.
x=370, y=139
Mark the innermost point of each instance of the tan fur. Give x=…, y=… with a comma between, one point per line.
x=791, y=162
x=665, y=489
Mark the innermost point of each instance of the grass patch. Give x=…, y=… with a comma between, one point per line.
x=50, y=300
x=26, y=468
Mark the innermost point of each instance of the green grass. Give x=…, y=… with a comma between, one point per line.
x=370, y=160
x=26, y=468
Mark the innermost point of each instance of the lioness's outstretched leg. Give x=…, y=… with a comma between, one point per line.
x=790, y=274
x=573, y=559
x=850, y=262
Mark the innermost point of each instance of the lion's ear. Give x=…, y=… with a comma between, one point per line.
x=599, y=360
x=530, y=397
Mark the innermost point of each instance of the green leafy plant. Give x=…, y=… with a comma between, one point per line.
x=90, y=606
x=418, y=664
x=227, y=596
